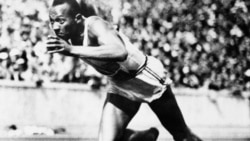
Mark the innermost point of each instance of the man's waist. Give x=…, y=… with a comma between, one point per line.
x=122, y=74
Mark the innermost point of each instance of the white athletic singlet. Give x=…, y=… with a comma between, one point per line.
x=143, y=84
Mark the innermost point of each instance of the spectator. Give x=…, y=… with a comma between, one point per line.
x=199, y=42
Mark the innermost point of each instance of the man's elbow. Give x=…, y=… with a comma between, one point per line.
x=122, y=56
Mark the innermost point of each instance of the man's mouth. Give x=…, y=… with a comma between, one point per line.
x=60, y=34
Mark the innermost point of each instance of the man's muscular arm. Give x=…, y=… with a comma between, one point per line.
x=110, y=46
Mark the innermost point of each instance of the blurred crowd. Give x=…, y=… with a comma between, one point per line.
x=201, y=43
x=24, y=29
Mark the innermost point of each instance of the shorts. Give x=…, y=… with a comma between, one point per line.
x=148, y=84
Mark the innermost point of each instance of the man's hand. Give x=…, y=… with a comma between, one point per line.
x=56, y=45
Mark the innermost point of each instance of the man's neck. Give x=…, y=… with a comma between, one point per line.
x=78, y=40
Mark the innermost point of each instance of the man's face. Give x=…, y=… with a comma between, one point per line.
x=62, y=21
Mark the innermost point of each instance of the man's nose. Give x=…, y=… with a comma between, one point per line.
x=56, y=26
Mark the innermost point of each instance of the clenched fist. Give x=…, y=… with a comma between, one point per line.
x=55, y=45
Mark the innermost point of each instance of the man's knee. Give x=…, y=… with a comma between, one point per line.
x=143, y=135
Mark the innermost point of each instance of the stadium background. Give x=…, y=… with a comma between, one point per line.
x=204, y=46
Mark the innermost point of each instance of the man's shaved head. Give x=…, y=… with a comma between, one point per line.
x=83, y=7
x=66, y=18
x=74, y=6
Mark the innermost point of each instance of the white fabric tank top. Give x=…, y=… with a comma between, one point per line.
x=134, y=60
x=144, y=83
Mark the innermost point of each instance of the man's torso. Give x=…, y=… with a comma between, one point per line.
x=124, y=76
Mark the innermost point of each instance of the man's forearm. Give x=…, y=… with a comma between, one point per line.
x=104, y=52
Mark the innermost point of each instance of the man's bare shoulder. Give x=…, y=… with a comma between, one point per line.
x=98, y=25
x=94, y=19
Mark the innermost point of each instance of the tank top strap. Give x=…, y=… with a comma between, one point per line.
x=85, y=39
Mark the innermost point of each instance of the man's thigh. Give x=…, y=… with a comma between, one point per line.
x=117, y=113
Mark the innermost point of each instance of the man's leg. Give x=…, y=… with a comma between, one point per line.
x=169, y=113
x=117, y=113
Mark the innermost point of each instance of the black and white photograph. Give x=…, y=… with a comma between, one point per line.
x=124, y=70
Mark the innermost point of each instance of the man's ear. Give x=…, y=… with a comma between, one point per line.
x=78, y=18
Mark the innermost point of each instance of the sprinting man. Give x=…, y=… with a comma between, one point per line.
x=134, y=77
